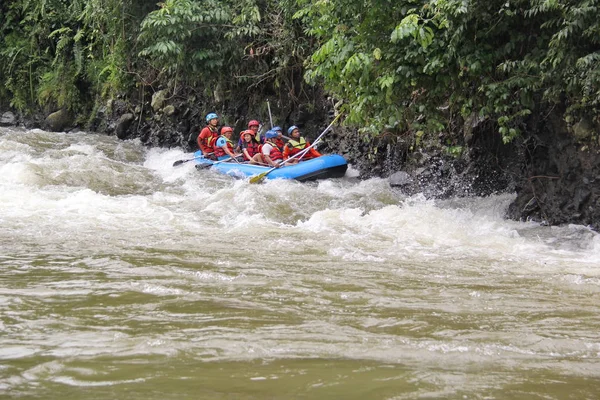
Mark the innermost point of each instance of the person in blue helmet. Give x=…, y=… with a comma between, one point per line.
x=208, y=135
x=279, y=139
x=296, y=144
x=270, y=153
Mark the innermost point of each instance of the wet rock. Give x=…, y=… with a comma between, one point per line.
x=169, y=110
x=584, y=129
x=400, y=178
x=123, y=125
x=472, y=122
x=8, y=119
x=158, y=100
x=557, y=175
x=58, y=121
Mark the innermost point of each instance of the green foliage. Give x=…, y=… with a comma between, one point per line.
x=400, y=66
x=412, y=65
x=235, y=45
x=60, y=50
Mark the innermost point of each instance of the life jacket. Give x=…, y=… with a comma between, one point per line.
x=204, y=140
x=275, y=152
x=280, y=143
x=253, y=148
x=259, y=138
x=212, y=140
x=296, y=146
x=219, y=152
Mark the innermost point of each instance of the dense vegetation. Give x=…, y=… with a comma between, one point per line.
x=399, y=66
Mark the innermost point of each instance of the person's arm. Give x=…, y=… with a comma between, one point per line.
x=270, y=162
x=199, y=141
x=313, y=151
x=240, y=144
x=229, y=152
x=247, y=155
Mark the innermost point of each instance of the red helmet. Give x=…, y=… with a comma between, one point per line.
x=253, y=123
x=226, y=129
x=248, y=132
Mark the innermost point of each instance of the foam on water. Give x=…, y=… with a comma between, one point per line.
x=86, y=187
x=114, y=254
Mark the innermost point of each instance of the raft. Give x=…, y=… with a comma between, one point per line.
x=324, y=167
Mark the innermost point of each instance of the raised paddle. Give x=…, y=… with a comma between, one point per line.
x=260, y=177
x=179, y=162
x=270, y=118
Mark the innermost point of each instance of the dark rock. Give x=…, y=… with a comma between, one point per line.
x=58, y=121
x=123, y=125
x=557, y=175
x=8, y=119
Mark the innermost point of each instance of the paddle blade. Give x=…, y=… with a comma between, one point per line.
x=204, y=165
x=179, y=162
x=258, y=178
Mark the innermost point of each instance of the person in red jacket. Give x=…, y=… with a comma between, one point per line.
x=208, y=135
x=250, y=147
x=253, y=125
x=296, y=144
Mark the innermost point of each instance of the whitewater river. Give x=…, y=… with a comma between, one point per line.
x=123, y=277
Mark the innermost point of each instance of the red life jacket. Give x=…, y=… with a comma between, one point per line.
x=280, y=143
x=219, y=152
x=253, y=148
x=275, y=152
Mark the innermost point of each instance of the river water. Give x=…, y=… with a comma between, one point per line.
x=122, y=276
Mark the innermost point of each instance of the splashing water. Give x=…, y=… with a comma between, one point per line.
x=122, y=275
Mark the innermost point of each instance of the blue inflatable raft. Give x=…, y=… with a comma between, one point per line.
x=324, y=167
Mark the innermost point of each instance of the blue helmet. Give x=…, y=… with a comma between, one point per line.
x=277, y=128
x=291, y=129
x=211, y=116
x=271, y=134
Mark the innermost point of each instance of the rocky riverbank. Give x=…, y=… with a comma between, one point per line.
x=554, y=168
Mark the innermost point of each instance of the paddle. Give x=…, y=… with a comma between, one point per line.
x=179, y=162
x=270, y=118
x=208, y=165
x=260, y=177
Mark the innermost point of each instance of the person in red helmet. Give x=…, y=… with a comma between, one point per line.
x=254, y=126
x=223, y=146
x=208, y=134
x=250, y=147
